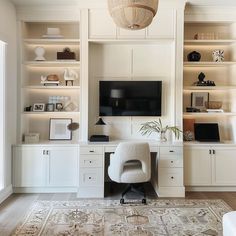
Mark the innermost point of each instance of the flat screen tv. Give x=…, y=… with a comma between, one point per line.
x=130, y=98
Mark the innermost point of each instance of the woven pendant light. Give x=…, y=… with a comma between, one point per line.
x=133, y=14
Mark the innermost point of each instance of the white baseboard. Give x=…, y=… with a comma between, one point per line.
x=5, y=193
x=44, y=190
x=211, y=189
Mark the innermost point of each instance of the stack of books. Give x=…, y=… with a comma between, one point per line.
x=215, y=110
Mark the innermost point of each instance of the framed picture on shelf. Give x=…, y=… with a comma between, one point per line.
x=50, y=107
x=198, y=99
x=58, y=129
x=39, y=107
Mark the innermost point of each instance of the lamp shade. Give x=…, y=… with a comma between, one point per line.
x=100, y=122
x=117, y=93
x=133, y=14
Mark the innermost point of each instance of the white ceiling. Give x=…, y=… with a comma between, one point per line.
x=74, y=2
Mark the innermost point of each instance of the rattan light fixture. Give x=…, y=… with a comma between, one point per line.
x=133, y=14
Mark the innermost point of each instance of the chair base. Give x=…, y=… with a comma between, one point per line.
x=136, y=188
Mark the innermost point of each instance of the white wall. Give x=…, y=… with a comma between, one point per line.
x=8, y=34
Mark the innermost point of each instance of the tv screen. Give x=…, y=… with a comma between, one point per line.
x=130, y=98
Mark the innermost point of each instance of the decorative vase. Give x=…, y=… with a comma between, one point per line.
x=194, y=56
x=39, y=52
x=161, y=137
x=218, y=55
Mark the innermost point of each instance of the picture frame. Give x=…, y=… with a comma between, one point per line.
x=198, y=99
x=50, y=107
x=38, y=107
x=59, y=106
x=58, y=129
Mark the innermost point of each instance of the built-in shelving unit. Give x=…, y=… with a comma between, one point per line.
x=213, y=35
x=33, y=91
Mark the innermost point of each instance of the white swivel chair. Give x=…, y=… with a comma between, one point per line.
x=229, y=224
x=131, y=163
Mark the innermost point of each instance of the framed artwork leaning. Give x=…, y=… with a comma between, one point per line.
x=198, y=100
x=58, y=129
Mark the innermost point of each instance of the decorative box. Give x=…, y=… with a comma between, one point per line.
x=66, y=55
x=31, y=138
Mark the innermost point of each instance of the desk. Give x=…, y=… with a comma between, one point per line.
x=167, y=178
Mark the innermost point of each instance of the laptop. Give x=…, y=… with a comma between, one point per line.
x=206, y=132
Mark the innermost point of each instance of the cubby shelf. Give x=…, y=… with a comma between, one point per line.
x=52, y=87
x=189, y=88
x=52, y=41
x=208, y=64
x=52, y=63
x=51, y=113
x=209, y=42
x=208, y=114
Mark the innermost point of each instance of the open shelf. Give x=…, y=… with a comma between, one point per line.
x=209, y=42
x=208, y=114
x=51, y=113
x=52, y=87
x=229, y=87
x=52, y=41
x=208, y=64
x=62, y=63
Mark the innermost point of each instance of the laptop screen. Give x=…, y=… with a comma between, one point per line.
x=206, y=132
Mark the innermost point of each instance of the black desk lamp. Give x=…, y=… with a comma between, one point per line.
x=99, y=138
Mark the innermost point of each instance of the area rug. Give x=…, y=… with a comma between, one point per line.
x=107, y=217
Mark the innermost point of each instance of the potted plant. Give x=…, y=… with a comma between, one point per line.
x=157, y=127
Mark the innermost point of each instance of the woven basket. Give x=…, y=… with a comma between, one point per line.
x=213, y=105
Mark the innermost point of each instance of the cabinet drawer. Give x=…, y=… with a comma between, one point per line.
x=91, y=150
x=91, y=177
x=171, y=151
x=91, y=160
x=170, y=163
x=170, y=177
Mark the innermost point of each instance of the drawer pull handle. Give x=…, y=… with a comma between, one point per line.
x=172, y=177
x=90, y=177
x=91, y=151
x=171, y=151
x=90, y=162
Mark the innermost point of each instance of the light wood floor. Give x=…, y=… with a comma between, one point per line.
x=16, y=206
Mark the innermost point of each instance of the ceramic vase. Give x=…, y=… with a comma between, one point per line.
x=218, y=55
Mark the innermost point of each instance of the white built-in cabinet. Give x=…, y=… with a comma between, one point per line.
x=45, y=166
x=209, y=166
x=101, y=26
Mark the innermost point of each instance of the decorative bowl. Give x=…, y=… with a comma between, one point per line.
x=213, y=105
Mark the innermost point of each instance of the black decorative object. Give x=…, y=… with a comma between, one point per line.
x=192, y=109
x=28, y=108
x=99, y=138
x=194, y=56
x=66, y=55
x=100, y=122
x=201, y=81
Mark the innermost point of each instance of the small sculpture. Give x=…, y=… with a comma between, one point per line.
x=201, y=81
x=218, y=55
x=50, y=80
x=70, y=75
x=194, y=56
x=39, y=51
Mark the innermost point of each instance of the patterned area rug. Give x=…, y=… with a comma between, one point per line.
x=105, y=217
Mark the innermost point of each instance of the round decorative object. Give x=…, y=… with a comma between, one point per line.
x=213, y=105
x=194, y=56
x=218, y=55
x=73, y=126
x=133, y=14
x=39, y=51
x=188, y=136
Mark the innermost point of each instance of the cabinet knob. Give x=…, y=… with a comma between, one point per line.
x=171, y=162
x=90, y=161
x=90, y=177
x=172, y=177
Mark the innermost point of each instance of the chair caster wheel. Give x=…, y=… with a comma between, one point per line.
x=144, y=201
x=122, y=201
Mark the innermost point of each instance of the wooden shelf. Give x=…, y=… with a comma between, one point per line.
x=208, y=114
x=60, y=63
x=209, y=87
x=52, y=87
x=209, y=42
x=51, y=113
x=208, y=64
x=52, y=41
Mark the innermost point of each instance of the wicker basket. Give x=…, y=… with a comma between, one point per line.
x=213, y=105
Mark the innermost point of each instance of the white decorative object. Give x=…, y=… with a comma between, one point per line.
x=39, y=51
x=32, y=137
x=70, y=75
x=133, y=14
x=39, y=107
x=71, y=106
x=218, y=55
x=45, y=81
x=53, y=33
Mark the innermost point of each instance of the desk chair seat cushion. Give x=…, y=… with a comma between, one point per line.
x=229, y=223
x=131, y=163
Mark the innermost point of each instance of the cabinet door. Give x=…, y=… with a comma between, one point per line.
x=63, y=167
x=163, y=24
x=101, y=24
x=224, y=167
x=29, y=167
x=197, y=166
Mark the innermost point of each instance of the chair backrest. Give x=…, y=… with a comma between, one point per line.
x=133, y=151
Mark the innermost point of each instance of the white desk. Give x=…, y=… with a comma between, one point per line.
x=167, y=178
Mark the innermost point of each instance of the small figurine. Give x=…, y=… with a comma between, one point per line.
x=39, y=51
x=201, y=81
x=70, y=75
